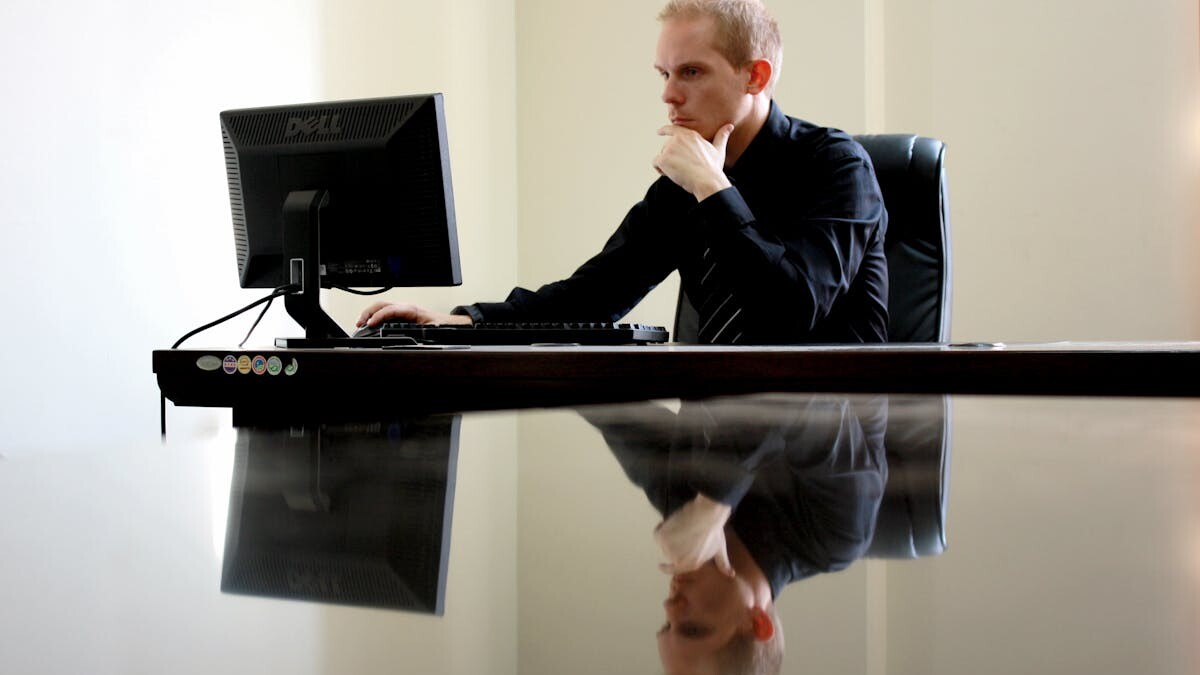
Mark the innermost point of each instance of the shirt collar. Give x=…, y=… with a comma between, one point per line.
x=775, y=126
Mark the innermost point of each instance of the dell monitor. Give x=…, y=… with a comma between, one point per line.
x=341, y=194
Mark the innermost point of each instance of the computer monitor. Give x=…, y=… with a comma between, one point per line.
x=341, y=194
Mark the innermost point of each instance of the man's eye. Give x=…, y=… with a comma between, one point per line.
x=691, y=72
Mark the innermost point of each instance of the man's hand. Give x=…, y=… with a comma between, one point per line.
x=382, y=311
x=693, y=163
x=693, y=535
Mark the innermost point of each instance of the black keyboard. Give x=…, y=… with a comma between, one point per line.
x=581, y=333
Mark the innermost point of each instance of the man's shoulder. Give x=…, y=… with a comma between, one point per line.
x=822, y=142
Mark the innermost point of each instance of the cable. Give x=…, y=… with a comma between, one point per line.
x=255, y=324
x=357, y=292
x=282, y=290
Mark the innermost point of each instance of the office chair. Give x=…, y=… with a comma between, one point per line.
x=912, y=178
x=911, y=522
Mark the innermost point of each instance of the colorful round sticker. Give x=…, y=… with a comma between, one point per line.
x=230, y=364
x=292, y=368
x=260, y=365
x=243, y=364
x=274, y=365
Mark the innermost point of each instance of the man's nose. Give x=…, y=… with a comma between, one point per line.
x=675, y=605
x=671, y=94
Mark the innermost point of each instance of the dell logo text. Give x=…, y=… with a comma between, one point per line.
x=323, y=124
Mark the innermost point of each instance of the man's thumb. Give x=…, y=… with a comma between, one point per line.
x=722, y=562
x=722, y=137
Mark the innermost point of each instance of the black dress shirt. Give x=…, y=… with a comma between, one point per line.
x=799, y=237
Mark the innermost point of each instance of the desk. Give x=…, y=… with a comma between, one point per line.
x=516, y=377
x=1014, y=533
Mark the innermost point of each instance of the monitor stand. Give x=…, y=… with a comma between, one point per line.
x=302, y=255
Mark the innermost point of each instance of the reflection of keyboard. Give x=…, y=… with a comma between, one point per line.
x=524, y=333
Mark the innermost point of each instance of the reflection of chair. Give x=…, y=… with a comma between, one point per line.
x=913, y=180
x=912, y=176
x=912, y=514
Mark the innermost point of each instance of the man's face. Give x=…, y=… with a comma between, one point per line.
x=702, y=90
x=705, y=609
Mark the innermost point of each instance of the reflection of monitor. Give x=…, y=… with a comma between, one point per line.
x=354, y=514
x=350, y=193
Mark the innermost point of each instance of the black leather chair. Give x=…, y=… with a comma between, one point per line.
x=912, y=176
x=911, y=170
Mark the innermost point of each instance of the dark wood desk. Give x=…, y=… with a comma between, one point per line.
x=514, y=377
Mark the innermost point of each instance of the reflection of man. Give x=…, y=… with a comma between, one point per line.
x=775, y=225
x=756, y=494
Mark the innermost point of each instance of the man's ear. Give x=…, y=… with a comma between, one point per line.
x=761, y=624
x=760, y=76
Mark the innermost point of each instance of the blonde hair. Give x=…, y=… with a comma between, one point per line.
x=745, y=30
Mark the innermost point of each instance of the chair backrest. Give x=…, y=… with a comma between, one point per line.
x=912, y=176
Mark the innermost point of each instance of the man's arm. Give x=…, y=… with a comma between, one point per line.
x=635, y=259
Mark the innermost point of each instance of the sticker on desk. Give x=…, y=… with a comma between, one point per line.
x=292, y=368
x=243, y=364
x=274, y=365
x=229, y=364
x=208, y=362
x=260, y=365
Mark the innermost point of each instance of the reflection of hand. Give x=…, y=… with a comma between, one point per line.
x=381, y=311
x=693, y=163
x=693, y=535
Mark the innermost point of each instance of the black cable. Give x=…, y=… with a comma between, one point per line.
x=282, y=290
x=358, y=292
x=255, y=325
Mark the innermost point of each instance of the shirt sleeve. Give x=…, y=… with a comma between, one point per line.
x=635, y=259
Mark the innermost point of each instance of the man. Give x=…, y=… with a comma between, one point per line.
x=775, y=225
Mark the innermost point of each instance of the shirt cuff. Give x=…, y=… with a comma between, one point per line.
x=469, y=310
x=724, y=210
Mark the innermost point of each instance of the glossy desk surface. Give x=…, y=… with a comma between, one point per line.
x=978, y=534
x=509, y=377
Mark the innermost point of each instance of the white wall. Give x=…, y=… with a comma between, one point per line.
x=1073, y=160
x=116, y=223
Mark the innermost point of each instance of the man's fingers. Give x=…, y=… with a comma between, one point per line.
x=369, y=312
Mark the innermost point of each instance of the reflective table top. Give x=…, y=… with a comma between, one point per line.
x=875, y=534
